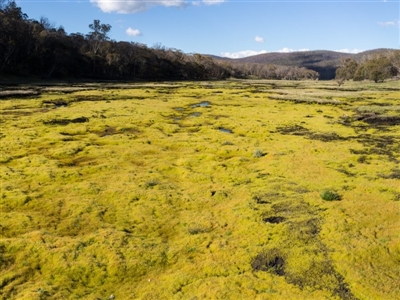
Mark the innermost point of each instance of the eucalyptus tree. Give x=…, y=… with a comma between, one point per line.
x=98, y=35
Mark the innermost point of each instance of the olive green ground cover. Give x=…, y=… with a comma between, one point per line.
x=201, y=190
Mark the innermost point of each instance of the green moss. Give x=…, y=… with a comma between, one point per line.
x=144, y=200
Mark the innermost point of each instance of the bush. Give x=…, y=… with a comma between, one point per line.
x=330, y=196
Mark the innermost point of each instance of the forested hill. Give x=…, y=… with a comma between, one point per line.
x=322, y=61
x=31, y=47
x=35, y=48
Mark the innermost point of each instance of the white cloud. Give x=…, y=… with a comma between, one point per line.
x=390, y=24
x=246, y=53
x=353, y=51
x=259, y=39
x=288, y=50
x=133, y=6
x=241, y=54
x=212, y=2
x=133, y=32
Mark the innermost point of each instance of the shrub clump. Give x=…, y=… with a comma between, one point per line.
x=330, y=196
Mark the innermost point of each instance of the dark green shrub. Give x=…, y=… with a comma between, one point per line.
x=330, y=196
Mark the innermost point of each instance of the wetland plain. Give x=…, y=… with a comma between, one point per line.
x=200, y=190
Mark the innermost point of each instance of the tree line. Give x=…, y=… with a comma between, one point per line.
x=375, y=67
x=31, y=47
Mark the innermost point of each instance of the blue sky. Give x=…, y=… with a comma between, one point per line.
x=233, y=28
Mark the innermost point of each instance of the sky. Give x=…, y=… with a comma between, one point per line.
x=233, y=28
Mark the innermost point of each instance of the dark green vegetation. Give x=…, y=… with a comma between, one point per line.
x=330, y=196
x=35, y=48
x=377, y=68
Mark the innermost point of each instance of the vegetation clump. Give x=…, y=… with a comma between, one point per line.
x=377, y=68
x=330, y=196
x=269, y=261
x=274, y=219
x=258, y=153
x=66, y=121
x=395, y=174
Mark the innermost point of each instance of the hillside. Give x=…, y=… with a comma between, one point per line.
x=322, y=61
x=295, y=58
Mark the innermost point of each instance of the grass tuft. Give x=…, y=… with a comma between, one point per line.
x=258, y=153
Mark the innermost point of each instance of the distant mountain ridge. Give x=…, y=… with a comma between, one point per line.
x=324, y=62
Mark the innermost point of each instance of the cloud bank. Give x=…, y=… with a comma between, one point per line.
x=289, y=50
x=245, y=53
x=133, y=32
x=353, y=51
x=134, y=6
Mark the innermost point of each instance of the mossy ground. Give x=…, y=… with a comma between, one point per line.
x=204, y=190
